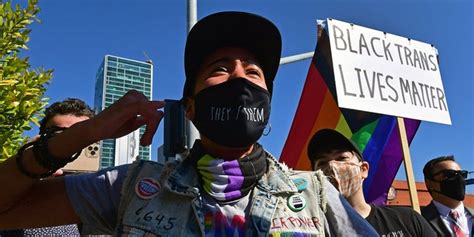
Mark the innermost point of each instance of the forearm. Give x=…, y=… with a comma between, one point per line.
x=16, y=185
x=45, y=204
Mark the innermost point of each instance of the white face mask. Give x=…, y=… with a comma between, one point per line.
x=345, y=176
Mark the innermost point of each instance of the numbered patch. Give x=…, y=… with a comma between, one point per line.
x=147, y=188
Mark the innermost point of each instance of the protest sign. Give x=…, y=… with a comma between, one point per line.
x=387, y=74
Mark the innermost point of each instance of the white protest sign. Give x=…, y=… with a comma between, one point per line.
x=386, y=74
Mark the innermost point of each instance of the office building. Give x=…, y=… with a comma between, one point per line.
x=115, y=77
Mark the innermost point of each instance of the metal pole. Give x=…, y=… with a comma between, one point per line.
x=192, y=13
x=294, y=58
x=191, y=132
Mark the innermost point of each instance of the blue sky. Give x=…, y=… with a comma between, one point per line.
x=74, y=36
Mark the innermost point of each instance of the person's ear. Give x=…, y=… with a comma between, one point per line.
x=364, y=169
x=430, y=185
x=189, y=108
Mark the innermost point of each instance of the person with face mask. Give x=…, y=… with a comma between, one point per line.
x=340, y=159
x=228, y=185
x=446, y=183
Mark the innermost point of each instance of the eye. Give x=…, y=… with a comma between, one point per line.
x=449, y=174
x=343, y=158
x=220, y=69
x=253, y=72
x=321, y=164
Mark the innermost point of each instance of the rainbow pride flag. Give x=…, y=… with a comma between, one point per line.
x=376, y=135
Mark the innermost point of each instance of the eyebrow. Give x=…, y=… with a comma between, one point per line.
x=246, y=62
x=321, y=159
x=324, y=157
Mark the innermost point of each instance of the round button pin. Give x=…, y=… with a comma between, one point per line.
x=301, y=184
x=296, y=202
x=147, y=188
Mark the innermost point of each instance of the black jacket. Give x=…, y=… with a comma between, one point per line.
x=432, y=216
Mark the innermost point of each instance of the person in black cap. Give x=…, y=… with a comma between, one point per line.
x=341, y=160
x=228, y=185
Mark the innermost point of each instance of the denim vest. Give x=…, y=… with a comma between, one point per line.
x=165, y=200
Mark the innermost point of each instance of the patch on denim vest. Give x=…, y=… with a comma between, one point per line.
x=147, y=188
x=296, y=202
x=301, y=184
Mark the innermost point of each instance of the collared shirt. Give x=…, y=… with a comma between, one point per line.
x=464, y=221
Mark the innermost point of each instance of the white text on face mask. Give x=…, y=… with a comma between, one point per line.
x=226, y=114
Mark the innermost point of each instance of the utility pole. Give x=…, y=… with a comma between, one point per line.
x=191, y=132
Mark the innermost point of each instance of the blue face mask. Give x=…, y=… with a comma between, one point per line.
x=233, y=113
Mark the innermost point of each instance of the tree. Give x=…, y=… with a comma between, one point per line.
x=21, y=88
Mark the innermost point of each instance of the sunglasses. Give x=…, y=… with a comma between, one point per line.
x=449, y=174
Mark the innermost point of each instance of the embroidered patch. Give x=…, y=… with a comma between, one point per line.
x=147, y=188
x=301, y=184
x=296, y=202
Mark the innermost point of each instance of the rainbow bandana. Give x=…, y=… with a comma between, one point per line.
x=231, y=180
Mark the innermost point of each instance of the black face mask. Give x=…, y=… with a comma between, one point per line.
x=453, y=187
x=233, y=113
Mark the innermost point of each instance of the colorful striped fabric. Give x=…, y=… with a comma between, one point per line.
x=376, y=135
x=222, y=179
x=291, y=234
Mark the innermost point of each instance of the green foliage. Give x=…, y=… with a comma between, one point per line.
x=21, y=88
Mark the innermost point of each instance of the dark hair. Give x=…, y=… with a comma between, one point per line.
x=427, y=170
x=71, y=106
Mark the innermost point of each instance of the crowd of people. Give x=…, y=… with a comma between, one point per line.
x=228, y=185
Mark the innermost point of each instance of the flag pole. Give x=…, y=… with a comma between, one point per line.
x=408, y=166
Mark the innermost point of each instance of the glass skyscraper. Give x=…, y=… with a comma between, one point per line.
x=115, y=77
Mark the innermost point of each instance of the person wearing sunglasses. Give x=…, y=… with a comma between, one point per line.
x=61, y=114
x=446, y=183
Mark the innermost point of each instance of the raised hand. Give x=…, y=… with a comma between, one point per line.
x=126, y=115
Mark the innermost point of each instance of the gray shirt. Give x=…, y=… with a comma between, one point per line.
x=96, y=197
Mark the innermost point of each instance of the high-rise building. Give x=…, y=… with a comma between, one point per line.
x=115, y=77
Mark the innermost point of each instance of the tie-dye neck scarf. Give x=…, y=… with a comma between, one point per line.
x=231, y=180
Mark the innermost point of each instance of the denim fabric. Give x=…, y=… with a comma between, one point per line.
x=177, y=208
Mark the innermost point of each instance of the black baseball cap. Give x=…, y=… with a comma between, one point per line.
x=232, y=29
x=326, y=140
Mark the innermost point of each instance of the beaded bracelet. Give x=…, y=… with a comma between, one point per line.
x=42, y=155
x=23, y=170
x=41, y=151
